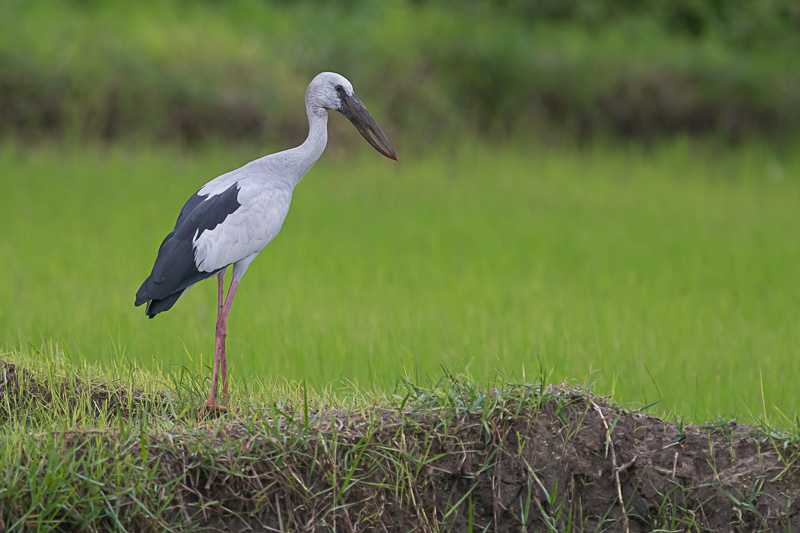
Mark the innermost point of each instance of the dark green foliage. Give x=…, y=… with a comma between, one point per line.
x=190, y=71
x=737, y=22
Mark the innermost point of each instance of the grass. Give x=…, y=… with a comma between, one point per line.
x=663, y=275
x=451, y=454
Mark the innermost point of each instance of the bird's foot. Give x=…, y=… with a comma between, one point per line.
x=211, y=407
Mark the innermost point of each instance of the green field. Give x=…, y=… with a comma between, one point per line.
x=666, y=273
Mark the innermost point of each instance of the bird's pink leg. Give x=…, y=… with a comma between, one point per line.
x=221, y=333
x=220, y=361
x=224, y=321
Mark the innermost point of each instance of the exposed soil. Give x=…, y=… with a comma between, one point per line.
x=558, y=463
x=531, y=463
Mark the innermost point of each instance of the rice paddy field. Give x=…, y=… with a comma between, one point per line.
x=572, y=305
x=664, y=275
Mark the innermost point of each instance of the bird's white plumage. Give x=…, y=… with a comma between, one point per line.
x=246, y=231
x=321, y=93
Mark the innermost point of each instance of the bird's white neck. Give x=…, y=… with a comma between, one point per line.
x=297, y=161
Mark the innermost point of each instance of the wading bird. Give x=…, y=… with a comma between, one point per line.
x=234, y=216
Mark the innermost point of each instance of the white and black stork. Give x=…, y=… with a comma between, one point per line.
x=234, y=216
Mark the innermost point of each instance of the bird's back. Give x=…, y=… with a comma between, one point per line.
x=230, y=219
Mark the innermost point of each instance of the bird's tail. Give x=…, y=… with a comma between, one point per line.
x=164, y=304
x=155, y=305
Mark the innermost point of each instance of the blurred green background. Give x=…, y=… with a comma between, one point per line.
x=233, y=70
x=608, y=191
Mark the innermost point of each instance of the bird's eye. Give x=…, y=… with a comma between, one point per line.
x=339, y=88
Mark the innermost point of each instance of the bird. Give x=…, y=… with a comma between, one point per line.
x=230, y=219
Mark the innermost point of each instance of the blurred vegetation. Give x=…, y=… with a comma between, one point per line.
x=193, y=70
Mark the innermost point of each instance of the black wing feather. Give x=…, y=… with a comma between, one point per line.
x=175, y=269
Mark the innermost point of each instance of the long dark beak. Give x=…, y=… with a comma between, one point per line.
x=354, y=110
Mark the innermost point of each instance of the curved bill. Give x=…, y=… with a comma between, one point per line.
x=366, y=125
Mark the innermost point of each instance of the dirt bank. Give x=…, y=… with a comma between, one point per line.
x=455, y=457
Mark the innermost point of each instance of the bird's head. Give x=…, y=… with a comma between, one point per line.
x=329, y=90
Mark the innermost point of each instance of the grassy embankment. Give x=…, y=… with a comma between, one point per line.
x=82, y=449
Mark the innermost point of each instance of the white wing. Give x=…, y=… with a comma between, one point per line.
x=246, y=231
